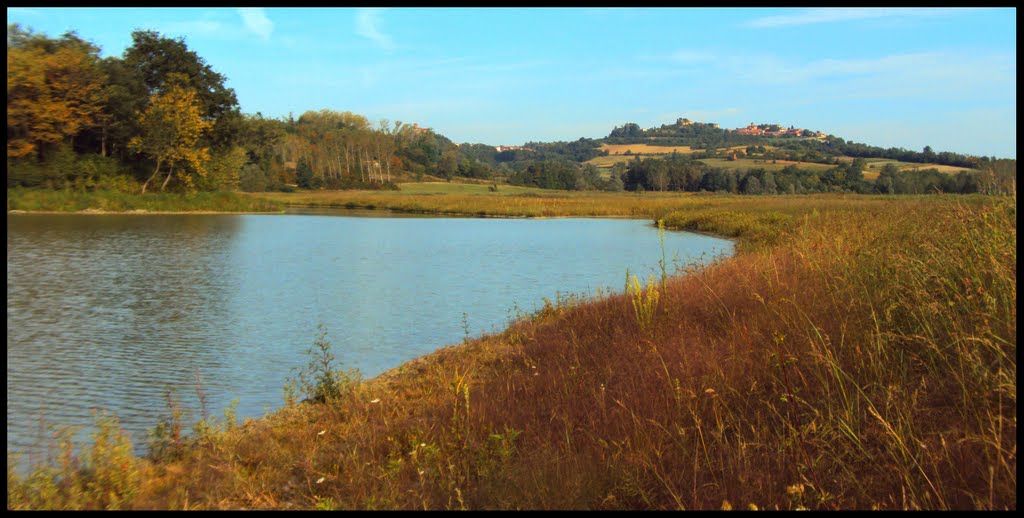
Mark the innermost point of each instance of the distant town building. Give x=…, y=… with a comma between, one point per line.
x=761, y=129
x=751, y=129
x=511, y=148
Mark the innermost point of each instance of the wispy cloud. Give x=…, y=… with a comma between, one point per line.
x=831, y=15
x=929, y=70
x=221, y=25
x=22, y=11
x=367, y=26
x=256, y=21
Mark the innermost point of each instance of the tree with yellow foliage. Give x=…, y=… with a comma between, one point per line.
x=171, y=127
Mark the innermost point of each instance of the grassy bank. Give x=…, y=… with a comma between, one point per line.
x=858, y=352
x=115, y=201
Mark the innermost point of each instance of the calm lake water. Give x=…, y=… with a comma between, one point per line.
x=108, y=312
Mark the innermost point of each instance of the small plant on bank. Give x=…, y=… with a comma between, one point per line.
x=320, y=380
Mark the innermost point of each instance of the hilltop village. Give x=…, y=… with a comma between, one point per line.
x=686, y=126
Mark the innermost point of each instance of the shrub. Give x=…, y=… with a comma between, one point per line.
x=320, y=380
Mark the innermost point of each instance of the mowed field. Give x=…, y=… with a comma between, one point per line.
x=647, y=149
x=616, y=152
x=875, y=166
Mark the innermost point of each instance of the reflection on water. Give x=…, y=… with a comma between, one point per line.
x=112, y=311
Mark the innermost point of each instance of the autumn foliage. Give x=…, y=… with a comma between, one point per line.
x=54, y=91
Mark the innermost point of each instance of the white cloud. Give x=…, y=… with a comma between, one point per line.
x=367, y=26
x=256, y=21
x=829, y=15
x=937, y=71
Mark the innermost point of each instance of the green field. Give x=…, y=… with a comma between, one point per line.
x=769, y=165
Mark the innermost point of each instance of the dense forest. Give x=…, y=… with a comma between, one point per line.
x=159, y=118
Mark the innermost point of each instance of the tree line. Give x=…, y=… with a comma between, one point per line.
x=158, y=117
x=686, y=173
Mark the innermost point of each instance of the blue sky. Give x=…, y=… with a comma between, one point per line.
x=887, y=77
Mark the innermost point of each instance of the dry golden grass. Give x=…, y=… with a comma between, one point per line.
x=610, y=160
x=948, y=169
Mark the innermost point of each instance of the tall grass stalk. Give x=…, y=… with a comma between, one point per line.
x=645, y=301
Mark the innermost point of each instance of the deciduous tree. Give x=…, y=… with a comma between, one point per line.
x=171, y=127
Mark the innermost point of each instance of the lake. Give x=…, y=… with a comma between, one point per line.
x=112, y=311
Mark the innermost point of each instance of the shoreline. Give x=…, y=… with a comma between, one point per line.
x=144, y=212
x=132, y=212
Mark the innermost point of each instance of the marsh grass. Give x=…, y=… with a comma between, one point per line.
x=118, y=201
x=855, y=354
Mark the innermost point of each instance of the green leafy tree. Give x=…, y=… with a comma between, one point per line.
x=157, y=59
x=224, y=170
x=751, y=185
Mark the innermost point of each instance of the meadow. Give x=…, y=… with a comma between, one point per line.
x=766, y=164
x=646, y=149
x=859, y=352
